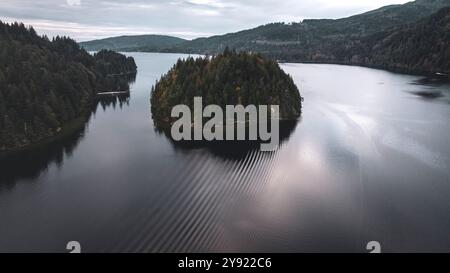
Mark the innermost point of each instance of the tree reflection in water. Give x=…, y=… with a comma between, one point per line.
x=236, y=150
x=30, y=163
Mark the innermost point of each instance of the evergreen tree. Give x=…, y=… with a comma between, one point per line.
x=45, y=84
x=229, y=78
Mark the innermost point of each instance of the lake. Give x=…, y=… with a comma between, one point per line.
x=368, y=161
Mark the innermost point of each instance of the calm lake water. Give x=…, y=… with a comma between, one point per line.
x=369, y=160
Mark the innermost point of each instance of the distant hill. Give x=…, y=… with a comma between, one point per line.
x=133, y=43
x=305, y=40
x=344, y=41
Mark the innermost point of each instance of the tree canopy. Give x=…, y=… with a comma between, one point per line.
x=228, y=78
x=46, y=83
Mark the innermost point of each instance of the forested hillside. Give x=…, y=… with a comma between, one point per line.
x=423, y=47
x=366, y=39
x=46, y=84
x=312, y=34
x=418, y=48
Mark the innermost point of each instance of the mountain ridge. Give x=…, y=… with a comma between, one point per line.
x=132, y=42
x=314, y=30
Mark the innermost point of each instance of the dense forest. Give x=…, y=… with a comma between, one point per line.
x=109, y=63
x=115, y=70
x=417, y=48
x=45, y=84
x=228, y=78
x=423, y=47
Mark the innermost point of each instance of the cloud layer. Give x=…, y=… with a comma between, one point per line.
x=91, y=19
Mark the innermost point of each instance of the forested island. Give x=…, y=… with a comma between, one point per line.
x=45, y=85
x=229, y=78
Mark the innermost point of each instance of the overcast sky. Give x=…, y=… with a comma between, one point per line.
x=92, y=19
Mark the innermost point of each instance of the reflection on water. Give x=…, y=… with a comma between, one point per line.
x=432, y=88
x=228, y=149
x=120, y=100
x=30, y=163
x=368, y=161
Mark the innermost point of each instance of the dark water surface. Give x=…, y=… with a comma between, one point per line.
x=369, y=160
